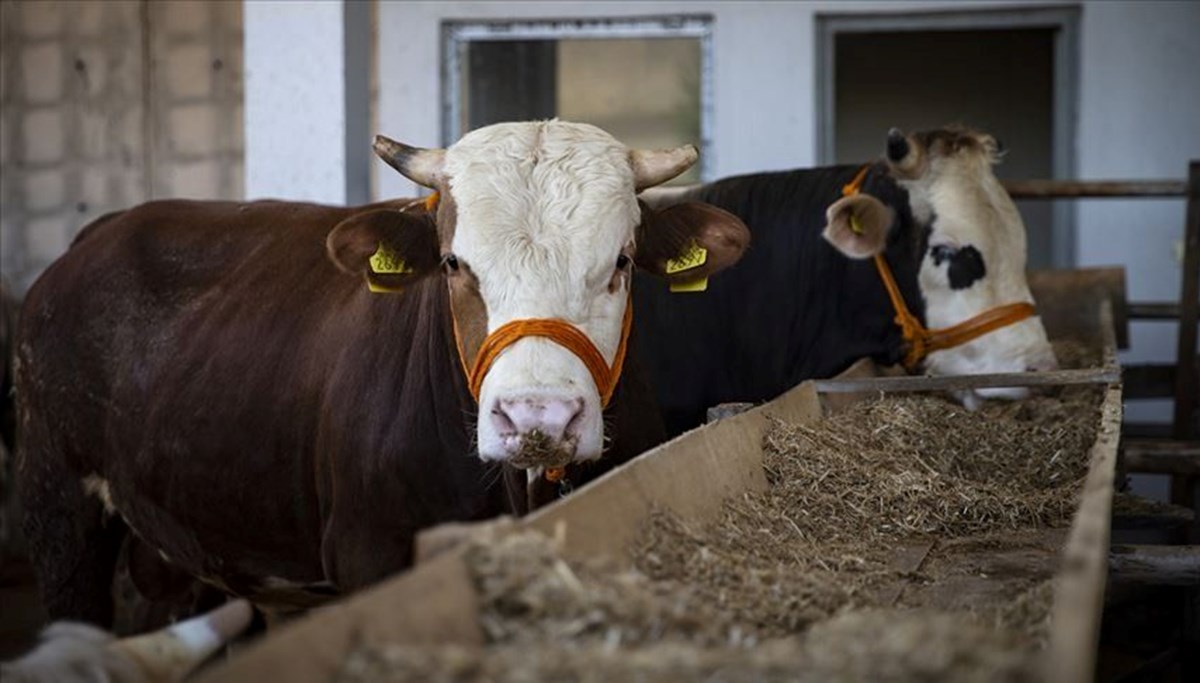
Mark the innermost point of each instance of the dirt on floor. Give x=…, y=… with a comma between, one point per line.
x=905, y=538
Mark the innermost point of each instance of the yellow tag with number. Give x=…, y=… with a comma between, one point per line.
x=693, y=257
x=690, y=286
x=385, y=260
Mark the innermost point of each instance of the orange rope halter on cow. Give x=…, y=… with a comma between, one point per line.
x=560, y=332
x=920, y=340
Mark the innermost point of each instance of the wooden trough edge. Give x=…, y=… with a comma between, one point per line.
x=1079, y=590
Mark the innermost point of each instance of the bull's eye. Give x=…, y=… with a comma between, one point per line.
x=941, y=253
x=450, y=263
x=623, y=262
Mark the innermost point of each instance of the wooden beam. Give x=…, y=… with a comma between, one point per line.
x=1186, y=383
x=1109, y=375
x=1159, y=565
x=1154, y=310
x=1161, y=457
x=1067, y=300
x=1071, y=189
x=1079, y=592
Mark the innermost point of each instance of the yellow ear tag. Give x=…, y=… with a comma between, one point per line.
x=693, y=257
x=385, y=260
x=855, y=226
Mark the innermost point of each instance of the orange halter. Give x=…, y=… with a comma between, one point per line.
x=922, y=341
x=561, y=332
x=558, y=331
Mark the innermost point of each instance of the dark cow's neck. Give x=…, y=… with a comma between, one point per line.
x=793, y=309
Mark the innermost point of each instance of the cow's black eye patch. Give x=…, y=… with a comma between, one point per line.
x=966, y=264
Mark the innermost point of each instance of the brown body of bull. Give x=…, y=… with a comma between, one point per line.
x=200, y=373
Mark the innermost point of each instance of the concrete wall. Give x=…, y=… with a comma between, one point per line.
x=1139, y=118
x=307, y=66
x=104, y=105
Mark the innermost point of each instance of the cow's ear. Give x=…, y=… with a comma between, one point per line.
x=690, y=241
x=858, y=225
x=390, y=247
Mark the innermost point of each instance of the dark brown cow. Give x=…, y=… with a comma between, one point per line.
x=203, y=373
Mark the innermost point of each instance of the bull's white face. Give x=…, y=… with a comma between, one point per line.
x=975, y=258
x=537, y=221
x=546, y=216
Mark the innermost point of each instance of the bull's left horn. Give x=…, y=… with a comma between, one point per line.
x=170, y=654
x=654, y=167
x=422, y=166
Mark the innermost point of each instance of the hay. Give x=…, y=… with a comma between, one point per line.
x=845, y=491
x=530, y=595
x=1074, y=354
x=539, y=450
x=798, y=582
x=549, y=621
x=873, y=646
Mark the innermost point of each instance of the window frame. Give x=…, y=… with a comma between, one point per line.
x=458, y=34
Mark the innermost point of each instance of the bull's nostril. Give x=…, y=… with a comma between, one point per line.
x=575, y=424
x=502, y=422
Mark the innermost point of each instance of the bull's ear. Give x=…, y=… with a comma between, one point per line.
x=858, y=225
x=389, y=247
x=690, y=241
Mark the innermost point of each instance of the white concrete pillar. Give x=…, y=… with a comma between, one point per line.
x=307, y=100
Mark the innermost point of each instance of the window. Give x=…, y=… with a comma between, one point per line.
x=645, y=81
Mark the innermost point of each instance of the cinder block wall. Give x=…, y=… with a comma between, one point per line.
x=104, y=105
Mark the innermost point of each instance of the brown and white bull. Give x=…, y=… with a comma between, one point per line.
x=276, y=397
x=915, y=258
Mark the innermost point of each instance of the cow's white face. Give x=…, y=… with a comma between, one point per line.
x=538, y=220
x=975, y=259
x=546, y=214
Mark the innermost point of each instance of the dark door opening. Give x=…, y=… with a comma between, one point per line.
x=998, y=80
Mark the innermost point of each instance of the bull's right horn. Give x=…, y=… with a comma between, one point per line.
x=422, y=166
x=902, y=154
x=171, y=653
x=656, y=167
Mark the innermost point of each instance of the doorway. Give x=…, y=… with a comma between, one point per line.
x=1008, y=74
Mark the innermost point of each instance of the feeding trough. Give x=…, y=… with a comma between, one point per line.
x=943, y=553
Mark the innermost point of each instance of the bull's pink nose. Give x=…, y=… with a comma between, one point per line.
x=552, y=417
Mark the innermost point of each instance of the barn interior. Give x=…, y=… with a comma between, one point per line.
x=108, y=105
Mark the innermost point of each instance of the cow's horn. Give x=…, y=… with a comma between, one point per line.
x=897, y=146
x=422, y=166
x=173, y=652
x=654, y=167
